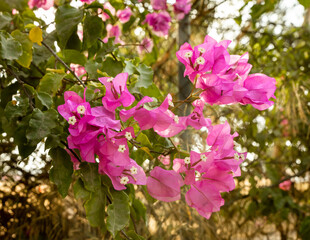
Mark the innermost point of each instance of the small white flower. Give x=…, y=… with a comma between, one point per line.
x=242, y=156
x=188, y=54
x=128, y=136
x=121, y=148
x=203, y=158
x=72, y=120
x=81, y=109
x=110, y=80
x=202, y=50
x=176, y=118
x=187, y=160
x=124, y=180
x=170, y=103
x=133, y=170
x=200, y=60
x=236, y=156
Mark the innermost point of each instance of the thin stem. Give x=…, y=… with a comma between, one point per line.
x=21, y=82
x=75, y=155
x=63, y=63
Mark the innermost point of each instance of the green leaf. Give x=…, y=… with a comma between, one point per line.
x=112, y=67
x=152, y=91
x=67, y=18
x=93, y=27
x=106, y=48
x=305, y=3
x=5, y=20
x=95, y=208
x=16, y=109
x=45, y=99
x=130, y=68
x=305, y=228
x=143, y=139
x=50, y=83
x=91, y=68
x=41, y=124
x=80, y=191
x=10, y=48
x=90, y=176
x=8, y=5
x=26, y=58
x=139, y=208
x=118, y=212
x=146, y=76
x=134, y=236
x=61, y=171
x=74, y=56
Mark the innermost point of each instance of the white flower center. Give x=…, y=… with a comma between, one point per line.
x=200, y=60
x=202, y=50
x=121, y=148
x=128, y=136
x=188, y=54
x=133, y=170
x=81, y=109
x=203, y=158
x=110, y=80
x=236, y=156
x=242, y=156
x=170, y=103
x=72, y=120
x=187, y=160
x=176, y=118
x=124, y=180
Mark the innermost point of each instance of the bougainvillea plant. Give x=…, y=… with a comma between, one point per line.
x=115, y=119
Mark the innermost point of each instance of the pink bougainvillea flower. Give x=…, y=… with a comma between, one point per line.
x=198, y=60
x=103, y=15
x=113, y=31
x=196, y=118
x=164, y=184
x=164, y=159
x=286, y=185
x=45, y=4
x=205, y=198
x=159, y=4
x=87, y=1
x=181, y=8
x=124, y=15
x=160, y=22
x=120, y=176
x=145, y=45
x=78, y=69
x=260, y=89
x=117, y=93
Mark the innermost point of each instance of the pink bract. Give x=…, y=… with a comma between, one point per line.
x=145, y=45
x=159, y=22
x=164, y=184
x=45, y=4
x=181, y=8
x=124, y=15
x=159, y=4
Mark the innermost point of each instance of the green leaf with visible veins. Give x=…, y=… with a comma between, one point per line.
x=67, y=18
x=118, y=212
x=95, y=208
x=26, y=57
x=61, y=171
x=50, y=83
x=41, y=124
x=10, y=48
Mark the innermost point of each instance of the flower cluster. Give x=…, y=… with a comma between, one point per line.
x=208, y=173
x=160, y=21
x=105, y=134
x=225, y=78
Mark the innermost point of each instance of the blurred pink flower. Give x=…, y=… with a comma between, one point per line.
x=181, y=8
x=160, y=22
x=87, y=1
x=145, y=45
x=159, y=4
x=45, y=4
x=124, y=15
x=286, y=185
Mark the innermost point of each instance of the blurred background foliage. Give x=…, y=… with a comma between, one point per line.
x=277, y=140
